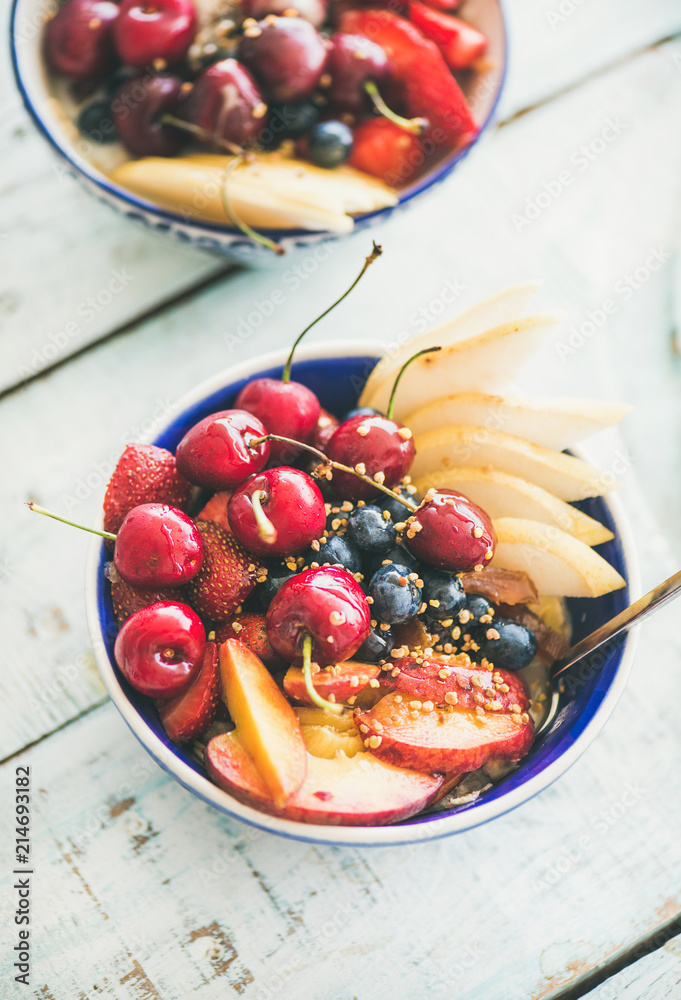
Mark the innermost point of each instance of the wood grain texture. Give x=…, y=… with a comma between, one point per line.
x=655, y=977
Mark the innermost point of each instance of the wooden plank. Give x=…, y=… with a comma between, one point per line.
x=655, y=977
x=52, y=225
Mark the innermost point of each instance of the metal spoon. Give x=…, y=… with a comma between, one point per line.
x=617, y=626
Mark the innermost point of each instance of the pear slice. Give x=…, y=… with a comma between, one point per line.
x=557, y=563
x=488, y=361
x=553, y=423
x=465, y=446
x=503, y=495
x=504, y=306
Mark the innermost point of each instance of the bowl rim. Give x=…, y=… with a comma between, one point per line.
x=115, y=192
x=357, y=836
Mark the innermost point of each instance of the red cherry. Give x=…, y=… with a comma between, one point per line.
x=286, y=408
x=160, y=648
x=147, y=30
x=325, y=603
x=379, y=444
x=286, y=54
x=313, y=11
x=79, y=39
x=352, y=61
x=291, y=502
x=215, y=452
x=158, y=546
x=326, y=427
x=454, y=534
x=137, y=109
x=226, y=102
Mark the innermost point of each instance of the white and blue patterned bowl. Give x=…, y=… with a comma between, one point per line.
x=337, y=372
x=27, y=25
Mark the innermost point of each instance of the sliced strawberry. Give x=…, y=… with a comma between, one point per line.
x=227, y=575
x=385, y=150
x=186, y=716
x=144, y=474
x=430, y=90
x=216, y=510
x=127, y=599
x=460, y=43
x=249, y=628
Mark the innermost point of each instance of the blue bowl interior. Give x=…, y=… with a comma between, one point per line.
x=338, y=383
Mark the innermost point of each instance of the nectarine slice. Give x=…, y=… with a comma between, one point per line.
x=341, y=680
x=433, y=679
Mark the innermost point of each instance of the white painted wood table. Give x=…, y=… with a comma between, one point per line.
x=140, y=891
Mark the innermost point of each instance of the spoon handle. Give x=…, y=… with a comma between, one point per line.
x=620, y=623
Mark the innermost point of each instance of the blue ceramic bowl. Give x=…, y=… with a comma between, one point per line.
x=337, y=372
x=38, y=92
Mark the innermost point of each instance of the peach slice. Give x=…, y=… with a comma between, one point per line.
x=356, y=791
x=335, y=683
x=433, y=680
x=404, y=732
x=266, y=723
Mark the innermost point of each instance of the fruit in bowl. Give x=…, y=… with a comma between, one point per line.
x=356, y=683
x=227, y=114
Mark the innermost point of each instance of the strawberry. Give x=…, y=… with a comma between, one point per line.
x=385, y=150
x=216, y=510
x=187, y=715
x=226, y=577
x=144, y=474
x=249, y=628
x=430, y=90
x=460, y=43
x=127, y=599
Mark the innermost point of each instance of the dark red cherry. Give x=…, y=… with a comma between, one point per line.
x=286, y=408
x=79, y=39
x=287, y=55
x=150, y=30
x=292, y=503
x=313, y=11
x=326, y=603
x=159, y=649
x=158, y=546
x=226, y=101
x=451, y=532
x=377, y=446
x=215, y=453
x=137, y=110
x=326, y=427
x=352, y=61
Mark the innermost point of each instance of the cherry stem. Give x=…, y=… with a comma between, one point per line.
x=255, y=442
x=414, y=125
x=202, y=134
x=247, y=230
x=48, y=513
x=328, y=706
x=374, y=255
x=391, y=403
x=266, y=529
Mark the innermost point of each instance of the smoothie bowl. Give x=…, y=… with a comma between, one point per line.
x=250, y=127
x=348, y=666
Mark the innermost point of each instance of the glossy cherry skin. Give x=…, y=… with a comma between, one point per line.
x=286, y=408
x=286, y=54
x=79, y=39
x=313, y=11
x=214, y=453
x=455, y=534
x=160, y=648
x=292, y=502
x=328, y=604
x=226, y=101
x=137, y=109
x=352, y=61
x=381, y=449
x=147, y=30
x=158, y=546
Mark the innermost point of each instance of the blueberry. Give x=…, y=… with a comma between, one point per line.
x=396, y=598
x=278, y=574
x=96, y=123
x=290, y=121
x=337, y=549
x=337, y=519
x=370, y=530
x=118, y=78
x=514, y=648
x=476, y=605
x=397, y=554
x=446, y=590
x=376, y=646
x=329, y=144
x=361, y=411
